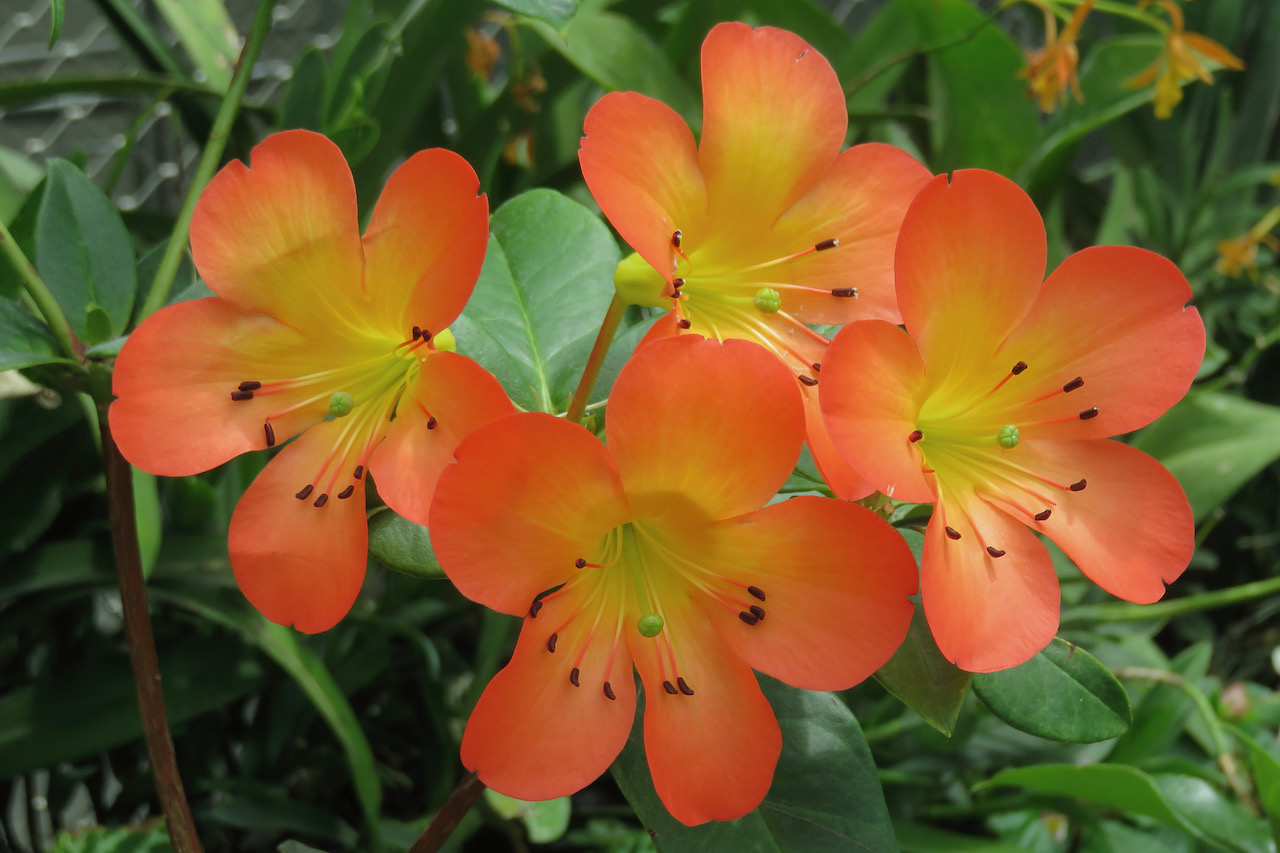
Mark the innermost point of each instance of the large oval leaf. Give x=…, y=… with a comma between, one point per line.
x=1063, y=693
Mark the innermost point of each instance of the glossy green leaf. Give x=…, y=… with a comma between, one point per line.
x=1218, y=817
x=616, y=53
x=918, y=674
x=147, y=519
x=825, y=794
x=922, y=838
x=304, y=98
x=1113, y=836
x=1063, y=693
x=546, y=283
x=207, y=34
x=554, y=12
x=24, y=340
x=399, y=544
x=1213, y=443
x=1265, y=764
x=545, y=821
x=1161, y=715
x=57, y=12
x=984, y=118
x=84, y=253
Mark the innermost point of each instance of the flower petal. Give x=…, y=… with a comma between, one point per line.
x=299, y=564
x=1114, y=316
x=712, y=754
x=717, y=424
x=529, y=495
x=986, y=613
x=861, y=201
x=640, y=162
x=282, y=237
x=774, y=119
x=1130, y=530
x=836, y=579
x=970, y=262
x=535, y=736
x=873, y=384
x=461, y=396
x=425, y=242
x=839, y=474
x=176, y=373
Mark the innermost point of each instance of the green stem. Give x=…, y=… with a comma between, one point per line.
x=1177, y=607
x=608, y=328
x=450, y=815
x=40, y=294
x=210, y=159
x=142, y=648
x=1222, y=751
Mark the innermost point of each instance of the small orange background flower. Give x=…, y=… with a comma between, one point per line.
x=654, y=552
x=320, y=331
x=763, y=226
x=1051, y=71
x=1180, y=61
x=996, y=402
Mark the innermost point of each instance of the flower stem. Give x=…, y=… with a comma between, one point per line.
x=210, y=159
x=40, y=294
x=142, y=648
x=1177, y=607
x=450, y=815
x=608, y=328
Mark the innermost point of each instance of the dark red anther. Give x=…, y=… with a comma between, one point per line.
x=551, y=642
x=952, y=533
x=573, y=677
x=1073, y=384
x=676, y=237
x=756, y=592
x=669, y=687
x=534, y=608
x=241, y=395
x=1078, y=487
x=431, y=422
x=845, y=291
x=995, y=552
x=749, y=618
x=684, y=687
x=346, y=493
x=251, y=385
x=1044, y=516
x=1018, y=368
x=580, y=563
x=417, y=332
x=757, y=611
x=305, y=493
x=608, y=690
x=1089, y=413
x=426, y=336
x=271, y=434
x=676, y=284
x=359, y=472
x=321, y=501
x=915, y=436
x=806, y=380
x=827, y=244
x=684, y=324
x=817, y=367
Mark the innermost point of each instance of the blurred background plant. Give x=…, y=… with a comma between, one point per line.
x=1162, y=736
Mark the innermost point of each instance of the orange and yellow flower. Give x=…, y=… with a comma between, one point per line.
x=316, y=331
x=1179, y=61
x=765, y=225
x=654, y=552
x=996, y=403
x=1240, y=254
x=1051, y=71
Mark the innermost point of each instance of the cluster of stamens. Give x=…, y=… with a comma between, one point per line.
x=651, y=624
x=1007, y=438
x=341, y=404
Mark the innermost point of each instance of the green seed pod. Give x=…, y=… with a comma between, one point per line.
x=1007, y=437
x=768, y=300
x=650, y=625
x=341, y=404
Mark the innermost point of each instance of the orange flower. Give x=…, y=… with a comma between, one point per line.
x=763, y=227
x=996, y=403
x=659, y=555
x=1240, y=254
x=1180, y=61
x=315, y=330
x=1051, y=70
